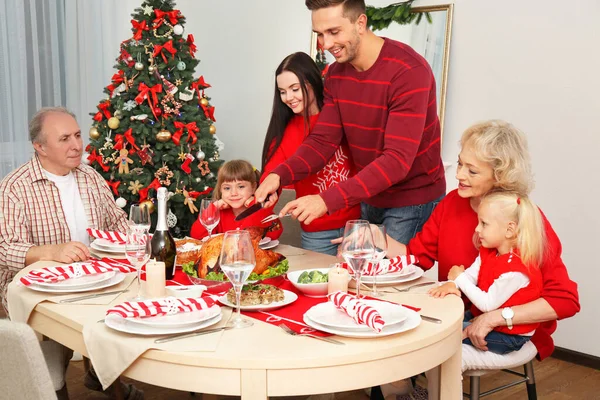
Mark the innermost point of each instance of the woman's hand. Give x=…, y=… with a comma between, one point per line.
x=455, y=271
x=443, y=290
x=479, y=329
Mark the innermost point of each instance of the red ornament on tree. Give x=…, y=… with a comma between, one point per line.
x=145, y=155
x=157, y=111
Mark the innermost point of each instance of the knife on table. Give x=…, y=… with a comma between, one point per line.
x=252, y=209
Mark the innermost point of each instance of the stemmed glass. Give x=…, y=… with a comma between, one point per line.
x=357, y=248
x=209, y=215
x=139, y=215
x=237, y=262
x=137, y=252
x=380, y=243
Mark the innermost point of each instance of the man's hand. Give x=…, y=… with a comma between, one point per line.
x=268, y=187
x=478, y=330
x=69, y=252
x=455, y=271
x=305, y=209
x=446, y=289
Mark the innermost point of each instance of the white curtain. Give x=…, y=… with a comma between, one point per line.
x=32, y=71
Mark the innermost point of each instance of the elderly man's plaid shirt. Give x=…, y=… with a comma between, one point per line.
x=31, y=213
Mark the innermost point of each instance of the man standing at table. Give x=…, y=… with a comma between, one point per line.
x=47, y=204
x=379, y=97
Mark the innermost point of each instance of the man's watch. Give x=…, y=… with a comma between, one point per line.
x=508, y=314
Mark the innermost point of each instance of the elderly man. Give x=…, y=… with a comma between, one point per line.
x=47, y=204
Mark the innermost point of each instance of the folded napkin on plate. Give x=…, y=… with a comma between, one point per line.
x=396, y=264
x=361, y=313
x=57, y=274
x=113, y=237
x=165, y=306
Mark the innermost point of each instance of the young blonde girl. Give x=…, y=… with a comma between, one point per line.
x=506, y=273
x=236, y=183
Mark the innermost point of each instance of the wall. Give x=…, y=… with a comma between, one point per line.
x=533, y=63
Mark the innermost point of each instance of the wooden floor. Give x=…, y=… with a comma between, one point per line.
x=556, y=380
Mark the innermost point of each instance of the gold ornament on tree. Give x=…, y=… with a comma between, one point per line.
x=113, y=122
x=189, y=201
x=204, y=101
x=163, y=136
x=212, y=129
x=149, y=205
x=94, y=133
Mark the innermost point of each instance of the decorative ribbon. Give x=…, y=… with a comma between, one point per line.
x=192, y=129
x=124, y=56
x=131, y=140
x=139, y=28
x=192, y=45
x=118, y=142
x=196, y=194
x=150, y=94
x=163, y=306
x=209, y=112
x=167, y=46
x=111, y=236
x=198, y=86
x=144, y=192
x=160, y=17
x=98, y=158
x=360, y=312
x=114, y=186
x=103, y=107
x=116, y=80
x=57, y=274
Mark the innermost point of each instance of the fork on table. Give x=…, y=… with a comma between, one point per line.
x=273, y=217
x=289, y=330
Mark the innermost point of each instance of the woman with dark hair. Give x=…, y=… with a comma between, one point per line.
x=297, y=102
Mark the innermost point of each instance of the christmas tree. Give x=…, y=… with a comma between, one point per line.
x=156, y=126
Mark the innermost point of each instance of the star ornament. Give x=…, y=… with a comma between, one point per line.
x=134, y=187
x=148, y=10
x=178, y=82
x=182, y=156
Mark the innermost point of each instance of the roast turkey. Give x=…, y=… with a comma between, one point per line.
x=211, y=251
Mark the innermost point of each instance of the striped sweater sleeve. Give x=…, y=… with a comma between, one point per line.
x=406, y=121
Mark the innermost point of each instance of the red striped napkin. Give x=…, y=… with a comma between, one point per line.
x=61, y=273
x=113, y=237
x=165, y=306
x=396, y=264
x=360, y=312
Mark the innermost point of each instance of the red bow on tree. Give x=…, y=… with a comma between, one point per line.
x=116, y=79
x=130, y=139
x=167, y=46
x=192, y=129
x=144, y=192
x=114, y=186
x=196, y=194
x=199, y=86
x=190, y=42
x=209, y=112
x=139, y=28
x=160, y=17
x=97, y=158
x=103, y=107
x=150, y=94
x=125, y=57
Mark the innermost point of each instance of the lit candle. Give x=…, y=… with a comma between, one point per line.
x=338, y=279
x=155, y=279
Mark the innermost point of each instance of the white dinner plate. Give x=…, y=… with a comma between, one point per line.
x=178, y=320
x=264, y=241
x=412, y=321
x=108, y=245
x=269, y=245
x=80, y=282
x=328, y=315
x=118, y=278
x=103, y=249
x=121, y=324
x=288, y=298
x=387, y=282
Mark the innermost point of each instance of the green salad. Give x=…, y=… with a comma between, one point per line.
x=270, y=272
x=313, y=277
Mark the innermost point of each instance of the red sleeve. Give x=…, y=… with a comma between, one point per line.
x=277, y=158
x=403, y=134
x=425, y=244
x=558, y=290
x=198, y=231
x=318, y=147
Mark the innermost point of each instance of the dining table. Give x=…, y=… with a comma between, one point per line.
x=263, y=360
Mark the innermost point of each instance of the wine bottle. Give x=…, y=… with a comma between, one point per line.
x=163, y=245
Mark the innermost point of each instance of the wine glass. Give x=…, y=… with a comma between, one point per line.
x=137, y=251
x=357, y=248
x=380, y=244
x=237, y=262
x=139, y=215
x=209, y=215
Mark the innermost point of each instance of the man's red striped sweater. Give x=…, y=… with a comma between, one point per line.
x=388, y=115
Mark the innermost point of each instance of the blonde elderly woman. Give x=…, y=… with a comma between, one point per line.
x=494, y=155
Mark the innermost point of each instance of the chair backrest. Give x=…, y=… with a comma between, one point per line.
x=23, y=371
x=291, y=227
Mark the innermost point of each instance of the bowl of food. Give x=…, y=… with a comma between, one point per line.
x=206, y=270
x=311, y=282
